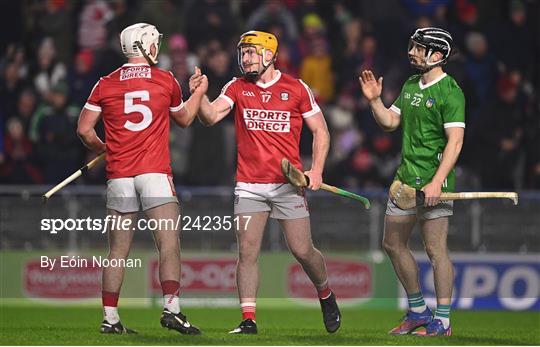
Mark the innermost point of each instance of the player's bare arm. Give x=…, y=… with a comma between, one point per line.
x=198, y=85
x=212, y=112
x=321, y=143
x=85, y=129
x=449, y=159
x=387, y=119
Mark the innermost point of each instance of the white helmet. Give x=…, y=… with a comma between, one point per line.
x=137, y=39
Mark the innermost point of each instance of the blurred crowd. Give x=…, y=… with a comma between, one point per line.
x=56, y=50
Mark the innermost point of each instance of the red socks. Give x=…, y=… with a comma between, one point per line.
x=324, y=291
x=248, y=310
x=170, y=288
x=109, y=298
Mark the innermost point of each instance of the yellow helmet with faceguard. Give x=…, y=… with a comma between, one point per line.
x=262, y=41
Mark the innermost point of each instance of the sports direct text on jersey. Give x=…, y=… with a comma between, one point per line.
x=136, y=72
x=267, y=120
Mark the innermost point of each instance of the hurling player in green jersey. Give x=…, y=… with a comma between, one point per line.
x=431, y=112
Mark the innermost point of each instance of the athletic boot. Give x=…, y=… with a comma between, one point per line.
x=331, y=314
x=178, y=322
x=118, y=328
x=247, y=326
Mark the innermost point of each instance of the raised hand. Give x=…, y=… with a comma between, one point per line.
x=198, y=82
x=371, y=87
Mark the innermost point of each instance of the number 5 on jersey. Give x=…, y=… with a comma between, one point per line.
x=130, y=107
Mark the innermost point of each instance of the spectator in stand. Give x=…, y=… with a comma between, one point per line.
x=208, y=20
x=26, y=105
x=55, y=22
x=514, y=41
x=211, y=142
x=499, y=134
x=270, y=13
x=50, y=71
x=11, y=86
x=313, y=28
x=92, y=25
x=164, y=14
x=17, y=167
x=289, y=59
x=82, y=77
x=423, y=8
x=349, y=54
x=55, y=123
x=481, y=67
x=316, y=71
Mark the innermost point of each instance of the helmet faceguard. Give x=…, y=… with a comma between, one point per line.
x=262, y=42
x=432, y=40
x=137, y=40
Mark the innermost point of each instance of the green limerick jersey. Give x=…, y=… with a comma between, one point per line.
x=425, y=111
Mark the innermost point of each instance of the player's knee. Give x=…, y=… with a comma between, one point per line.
x=247, y=255
x=118, y=253
x=303, y=253
x=391, y=247
x=169, y=254
x=247, y=258
x=168, y=248
x=435, y=252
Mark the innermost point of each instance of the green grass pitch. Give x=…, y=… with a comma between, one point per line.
x=50, y=325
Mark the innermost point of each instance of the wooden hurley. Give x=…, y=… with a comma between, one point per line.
x=405, y=196
x=73, y=176
x=298, y=179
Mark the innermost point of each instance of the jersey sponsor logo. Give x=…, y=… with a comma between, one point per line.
x=247, y=93
x=135, y=72
x=407, y=95
x=267, y=120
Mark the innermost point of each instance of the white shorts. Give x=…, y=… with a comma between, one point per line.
x=282, y=200
x=154, y=189
x=442, y=209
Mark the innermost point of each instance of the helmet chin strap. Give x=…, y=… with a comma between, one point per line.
x=149, y=58
x=253, y=75
x=427, y=65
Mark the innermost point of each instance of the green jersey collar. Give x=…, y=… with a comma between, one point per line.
x=424, y=86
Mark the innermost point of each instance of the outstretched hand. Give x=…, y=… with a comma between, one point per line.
x=198, y=83
x=371, y=87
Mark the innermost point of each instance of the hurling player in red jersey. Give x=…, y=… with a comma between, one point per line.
x=270, y=108
x=135, y=103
